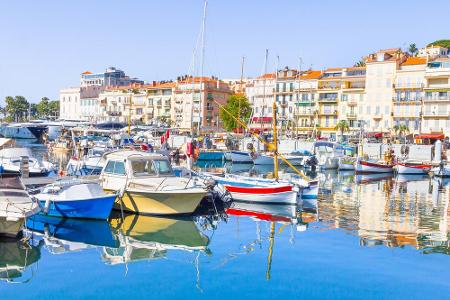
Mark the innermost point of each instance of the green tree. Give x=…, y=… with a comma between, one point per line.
x=442, y=43
x=16, y=108
x=412, y=49
x=360, y=63
x=401, y=130
x=233, y=104
x=342, y=126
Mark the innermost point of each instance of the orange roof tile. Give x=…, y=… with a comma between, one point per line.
x=333, y=69
x=86, y=73
x=267, y=76
x=410, y=61
x=311, y=75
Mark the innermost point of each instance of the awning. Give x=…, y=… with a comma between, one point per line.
x=377, y=135
x=433, y=136
x=262, y=119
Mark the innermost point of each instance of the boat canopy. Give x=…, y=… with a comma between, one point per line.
x=435, y=136
x=15, y=152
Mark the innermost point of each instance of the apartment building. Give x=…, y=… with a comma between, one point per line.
x=260, y=93
x=436, y=101
x=408, y=87
x=195, y=103
x=381, y=69
x=159, y=102
x=306, y=101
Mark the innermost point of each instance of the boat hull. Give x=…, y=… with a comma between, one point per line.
x=97, y=208
x=238, y=157
x=268, y=160
x=10, y=227
x=264, y=194
x=160, y=203
x=211, y=155
x=441, y=172
x=369, y=167
x=412, y=169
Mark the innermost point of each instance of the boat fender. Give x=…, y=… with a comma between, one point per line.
x=47, y=206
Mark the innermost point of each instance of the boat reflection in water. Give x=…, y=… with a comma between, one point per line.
x=16, y=257
x=145, y=238
x=62, y=235
x=407, y=210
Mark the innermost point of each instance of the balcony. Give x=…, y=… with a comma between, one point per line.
x=413, y=86
x=284, y=103
x=437, y=99
x=406, y=100
x=114, y=113
x=304, y=113
x=329, y=113
x=328, y=99
x=377, y=116
x=436, y=114
x=351, y=116
x=329, y=87
x=352, y=103
x=304, y=103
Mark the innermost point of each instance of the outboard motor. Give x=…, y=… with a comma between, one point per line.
x=312, y=162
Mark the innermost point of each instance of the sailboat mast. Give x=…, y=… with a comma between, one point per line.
x=202, y=63
x=241, y=90
x=264, y=89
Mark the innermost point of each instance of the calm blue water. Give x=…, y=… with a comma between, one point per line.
x=365, y=237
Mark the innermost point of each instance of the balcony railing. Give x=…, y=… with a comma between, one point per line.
x=351, y=115
x=402, y=99
x=328, y=99
x=436, y=114
x=431, y=99
x=408, y=86
x=304, y=113
x=329, y=112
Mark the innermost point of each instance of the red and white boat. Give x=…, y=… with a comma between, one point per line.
x=366, y=166
x=274, y=193
x=413, y=168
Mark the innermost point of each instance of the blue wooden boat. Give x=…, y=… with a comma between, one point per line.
x=76, y=199
x=211, y=155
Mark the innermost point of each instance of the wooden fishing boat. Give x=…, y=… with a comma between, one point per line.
x=367, y=166
x=412, y=168
x=346, y=163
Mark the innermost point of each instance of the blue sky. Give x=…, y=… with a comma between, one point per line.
x=46, y=44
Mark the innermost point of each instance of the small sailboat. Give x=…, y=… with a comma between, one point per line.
x=267, y=159
x=15, y=206
x=76, y=199
x=241, y=157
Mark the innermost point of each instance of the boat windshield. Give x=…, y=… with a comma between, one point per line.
x=163, y=166
x=148, y=167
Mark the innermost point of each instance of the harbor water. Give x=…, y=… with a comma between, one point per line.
x=366, y=236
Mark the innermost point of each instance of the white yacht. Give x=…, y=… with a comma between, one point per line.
x=23, y=130
x=11, y=158
x=148, y=185
x=15, y=206
x=328, y=154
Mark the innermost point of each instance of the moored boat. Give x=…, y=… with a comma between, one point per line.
x=76, y=199
x=238, y=157
x=412, y=168
x=441, y=171
x=15, y=206
x=346, y=163
x=366, y=166
x=12, y=158
x=148, y=185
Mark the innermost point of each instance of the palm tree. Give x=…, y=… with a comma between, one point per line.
x=412, y=49
x=342, y=126
x=360, y=63
x=400, y=130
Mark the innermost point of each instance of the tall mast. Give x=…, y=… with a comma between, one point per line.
x=241, y=91
x=299, y=73
x=264, y=89
x=202, y=63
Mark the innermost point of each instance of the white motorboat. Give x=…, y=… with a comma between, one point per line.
x=15, y=206
x=328, y=154
x=11, y=159
x=90, y=164
x=23, y=130
x=238, y=157
x=267, y=159
x=148, y=185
